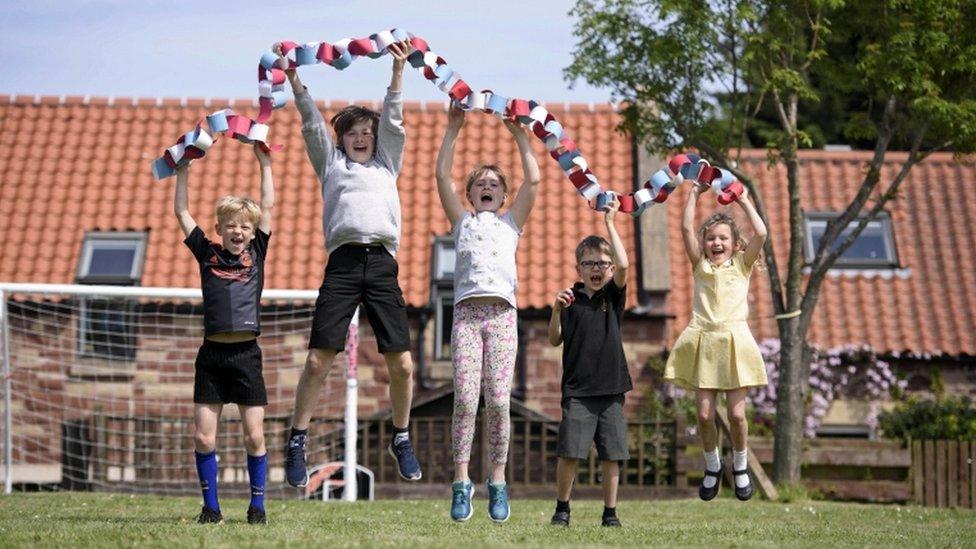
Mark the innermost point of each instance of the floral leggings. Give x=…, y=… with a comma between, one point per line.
x=485, y=341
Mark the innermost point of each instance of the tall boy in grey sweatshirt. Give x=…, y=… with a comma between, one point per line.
x=361, y=222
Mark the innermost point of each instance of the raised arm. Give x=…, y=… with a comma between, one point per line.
x=620, y=260
x=318, y=142
x=755, y=245
x=181, y=201
x=445, y=161
x=399, y=51
x=267, y=188
x=688, y=233
x=563, y=299
x=525, y=198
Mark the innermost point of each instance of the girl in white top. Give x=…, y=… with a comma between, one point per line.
x=484, y=334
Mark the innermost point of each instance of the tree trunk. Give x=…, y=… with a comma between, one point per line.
x=791, y=396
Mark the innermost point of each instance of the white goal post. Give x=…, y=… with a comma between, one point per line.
x=98, y=383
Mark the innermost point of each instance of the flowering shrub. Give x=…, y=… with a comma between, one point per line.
x=945, y=418
x=849, y=371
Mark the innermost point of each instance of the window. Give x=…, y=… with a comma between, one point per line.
x=112, y=257
x=105, y=326
x=442, y=294
x=874, y=247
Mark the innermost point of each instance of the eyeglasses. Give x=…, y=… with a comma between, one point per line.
x=603, y=265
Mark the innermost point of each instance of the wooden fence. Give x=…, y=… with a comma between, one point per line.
x=944, y=473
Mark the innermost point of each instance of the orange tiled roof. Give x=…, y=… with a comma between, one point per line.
x=71, y=165
x=925, y=306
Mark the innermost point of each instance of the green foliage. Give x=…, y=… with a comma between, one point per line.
x=946, y=418
x=719, y=75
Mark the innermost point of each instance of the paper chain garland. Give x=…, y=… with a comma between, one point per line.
x=271, y=79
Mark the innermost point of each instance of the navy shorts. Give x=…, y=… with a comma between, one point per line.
x=367, y=275
x=229, y=373
x=598, y=419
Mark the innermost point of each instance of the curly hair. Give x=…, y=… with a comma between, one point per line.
x=719, y=218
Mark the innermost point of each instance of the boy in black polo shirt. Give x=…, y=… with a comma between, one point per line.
x=586, y=320
x=228, y=365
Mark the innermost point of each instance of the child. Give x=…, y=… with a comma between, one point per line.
x=361, y=222
x=717, y=352
x=586, y=319
x=228, y=365
x=484, y=333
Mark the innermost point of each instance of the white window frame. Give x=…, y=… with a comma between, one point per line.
x=119, y=240
x=882, y=221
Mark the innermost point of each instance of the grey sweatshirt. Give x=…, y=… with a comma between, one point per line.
x=360, y=201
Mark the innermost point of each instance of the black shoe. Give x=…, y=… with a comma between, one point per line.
x=708, y=494
x=611, y=521
x=407, y=465
x=209, y=516
x=295, y=471
x=745, y=492
x=560, y=518
x=256, y=516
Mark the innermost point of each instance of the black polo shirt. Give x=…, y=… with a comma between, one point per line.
x=593, y=350
x=231, y=284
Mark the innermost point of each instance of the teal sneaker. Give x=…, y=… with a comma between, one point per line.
x=461, y=509
x=498, y=507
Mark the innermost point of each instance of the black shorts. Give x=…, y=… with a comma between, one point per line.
x=367, y=275
x=597, y=419
x=229, y=373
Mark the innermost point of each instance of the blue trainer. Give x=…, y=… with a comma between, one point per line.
x=407, y=465
x=498, y=507
x=461, y=509
x=295, y=471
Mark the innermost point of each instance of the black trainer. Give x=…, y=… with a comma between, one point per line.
x=407, y=465
x=256, y=516
x=209, y=516
x=709, y=493
x=612, y=521
x=560, y=518
x=295, y=471
x=745, y=492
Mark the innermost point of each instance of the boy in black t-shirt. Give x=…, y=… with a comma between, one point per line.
x=228, y=365
x=586, y=320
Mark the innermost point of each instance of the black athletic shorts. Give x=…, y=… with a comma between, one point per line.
x=598, y=419
x=367, y=275
x=229, y=373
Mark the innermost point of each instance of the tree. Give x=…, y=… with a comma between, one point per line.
x=700, y=74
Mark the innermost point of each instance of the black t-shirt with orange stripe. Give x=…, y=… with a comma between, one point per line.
x=231, y=284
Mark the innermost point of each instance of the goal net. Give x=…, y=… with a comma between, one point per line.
x=98, y=390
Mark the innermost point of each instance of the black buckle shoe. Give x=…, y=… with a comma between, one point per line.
x=256, y=516
x=745, y=492
x=560, y=518
x=708, y=494
x=613, y=521
x=209, y=516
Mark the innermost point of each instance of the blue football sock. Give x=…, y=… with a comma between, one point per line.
x=257, y=470
x=207, y=471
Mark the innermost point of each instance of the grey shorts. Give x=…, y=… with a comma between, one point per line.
x=598, y=419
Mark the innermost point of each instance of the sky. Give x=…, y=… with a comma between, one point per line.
x=210, y=48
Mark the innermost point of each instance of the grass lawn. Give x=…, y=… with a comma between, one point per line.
x=69, y=520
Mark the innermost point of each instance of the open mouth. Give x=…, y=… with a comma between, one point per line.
x=596, y=279
x=237, y=240
x=487, y=199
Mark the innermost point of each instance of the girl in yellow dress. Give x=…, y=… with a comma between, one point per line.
x=716, y=352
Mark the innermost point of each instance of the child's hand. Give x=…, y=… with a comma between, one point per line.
x=744, y=197
x=182, y=169
x=455, y=117
x=400, y=51
x=698, y=188
x=564, y=299
x=611, y=209
x=264, y=159
x=283, y=63
x=514, y=128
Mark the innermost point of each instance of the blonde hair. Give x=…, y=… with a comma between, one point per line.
x=593, y=243
x=230, y=207
x=719, y=218
x=480, y=171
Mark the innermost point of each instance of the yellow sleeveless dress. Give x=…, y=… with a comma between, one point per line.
x=717, y=350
